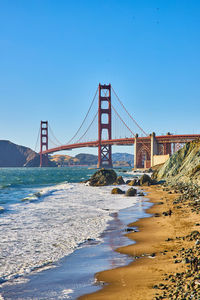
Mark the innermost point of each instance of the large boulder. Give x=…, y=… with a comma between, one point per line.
x=131, y=192
x=145, y=180
x=103, y=177
x=119, y=180
x=117, y=191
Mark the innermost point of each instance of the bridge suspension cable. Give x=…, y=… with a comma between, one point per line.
x=53, y=135
x=50, y=140
x=122, y=120
x=88, y=127
x=84, y=118
x=128, y=112
x=36, y=144
x=126, y=125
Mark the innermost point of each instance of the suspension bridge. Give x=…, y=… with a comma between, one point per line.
x=109, y=123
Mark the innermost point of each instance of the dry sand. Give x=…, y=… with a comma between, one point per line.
x=136, y=280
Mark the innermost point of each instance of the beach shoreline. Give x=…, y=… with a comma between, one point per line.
x=73, y=275
x=157, y=245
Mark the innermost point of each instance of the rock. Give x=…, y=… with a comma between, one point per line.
x=140, y=194
x=117, y=191
x=103, y=177
x=186, y=260
x=152, y=255
x=145, y=180
x=131, y=192
x=165, y=213
x=156, y=215
x=133, y=182
x=127, y=181
x=119, y=180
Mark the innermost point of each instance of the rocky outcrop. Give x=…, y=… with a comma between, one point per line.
x=103, y=177
x=183, y=166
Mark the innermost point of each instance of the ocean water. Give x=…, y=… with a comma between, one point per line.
x=46, y=214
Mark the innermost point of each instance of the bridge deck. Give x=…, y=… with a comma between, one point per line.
x=127, y=141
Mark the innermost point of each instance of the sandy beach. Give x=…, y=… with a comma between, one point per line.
x=156, y=254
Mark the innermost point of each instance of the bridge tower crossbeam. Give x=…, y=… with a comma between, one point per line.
x=104, y=108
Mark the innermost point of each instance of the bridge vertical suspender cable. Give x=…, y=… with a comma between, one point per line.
x=36, y=144
x=123, y=121
x=84, y=118
x=128, y=112
x=53, y=135
x=88, y=127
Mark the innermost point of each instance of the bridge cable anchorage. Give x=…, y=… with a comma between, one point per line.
x=128, y=112
x=37, y=141
x=88, y=127
x=53, y=135
x=84, y=118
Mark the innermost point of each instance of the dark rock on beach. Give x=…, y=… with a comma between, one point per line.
x=133, y=182
x=117, y=191
x=131, y=192
x=145, y=180
x=119, y=180
x=103, y=177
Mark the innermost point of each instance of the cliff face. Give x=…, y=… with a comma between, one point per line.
x=183, y=166
x=12, y=155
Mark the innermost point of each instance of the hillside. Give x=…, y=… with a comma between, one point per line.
x=123, y=158
x=84, y=159
x=183, y=166
x=12, y=155
x=64, y=160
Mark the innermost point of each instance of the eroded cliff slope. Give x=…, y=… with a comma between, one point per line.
x=183, y=166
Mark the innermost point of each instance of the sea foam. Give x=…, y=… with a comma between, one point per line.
x=36, y=234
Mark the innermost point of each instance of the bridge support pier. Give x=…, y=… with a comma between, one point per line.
x=135, y=152
x=43, y=143
x=154, y=147
x=167, y=148
x=104, y=124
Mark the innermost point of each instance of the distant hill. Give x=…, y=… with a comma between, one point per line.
x=84, y=159
x=123, y=157
x=12, y=155
x=87, y=159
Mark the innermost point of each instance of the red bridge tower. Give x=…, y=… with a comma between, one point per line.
x=104, y=125
x=43, y=143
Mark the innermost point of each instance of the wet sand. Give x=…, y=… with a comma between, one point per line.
x=156, y=246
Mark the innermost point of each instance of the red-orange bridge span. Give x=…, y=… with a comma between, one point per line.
x=127, y=141
x=143, y=146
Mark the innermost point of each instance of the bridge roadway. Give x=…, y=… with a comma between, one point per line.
x=127, y=141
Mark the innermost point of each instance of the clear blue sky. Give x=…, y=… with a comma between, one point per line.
x=54, y=53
